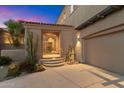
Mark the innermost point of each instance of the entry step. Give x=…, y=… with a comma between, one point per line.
x=53, y=62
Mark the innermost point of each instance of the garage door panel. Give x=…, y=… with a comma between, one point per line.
x=107, y=52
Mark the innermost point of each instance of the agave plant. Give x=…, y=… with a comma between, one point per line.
x=16, y=31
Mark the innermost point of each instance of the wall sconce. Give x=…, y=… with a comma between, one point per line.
x=78, y=37
x=78, y=44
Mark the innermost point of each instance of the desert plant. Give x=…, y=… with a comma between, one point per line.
x=5, y=60
x=26, y=67
x=16, y=31
x=23, y=66
x=70, y=56
x=31, y=50
x=13, y=70
x=39, y=67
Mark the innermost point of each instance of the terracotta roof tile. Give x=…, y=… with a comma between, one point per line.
x=30, y=22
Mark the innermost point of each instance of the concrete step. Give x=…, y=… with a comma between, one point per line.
x=53, y=62
x=54, y=65
x=51, y=59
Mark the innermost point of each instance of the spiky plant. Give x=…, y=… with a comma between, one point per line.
x=31, y=49
x=70, y=56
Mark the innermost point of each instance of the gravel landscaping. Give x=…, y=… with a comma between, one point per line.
x=3, y=72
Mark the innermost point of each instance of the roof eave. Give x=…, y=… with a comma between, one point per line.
x=107, y=11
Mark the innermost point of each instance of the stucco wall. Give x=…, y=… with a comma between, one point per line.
x=105, y=51
x=110, y=21
x=16, y=54
x=81, y=14
x=37, y=34
x=66, y=39
x=66, y=36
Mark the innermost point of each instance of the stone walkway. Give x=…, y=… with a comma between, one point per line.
x=68, y=76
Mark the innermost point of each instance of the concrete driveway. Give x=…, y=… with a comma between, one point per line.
x=68, y=76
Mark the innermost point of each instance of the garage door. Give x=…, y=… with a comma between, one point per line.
x=106, y=51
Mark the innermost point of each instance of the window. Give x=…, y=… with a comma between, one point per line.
x=71, y=8
x=7, y=38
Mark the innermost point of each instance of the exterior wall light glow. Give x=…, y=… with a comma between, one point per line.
x=78, y=47
x=78, y=37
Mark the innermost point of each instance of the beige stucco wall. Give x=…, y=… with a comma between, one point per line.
x=77, y=17
x=66, y=36
x=110, y=21
x=37, y=34
x=103, y=51
x=81, y=14
x=16, y=54
x=66, y=39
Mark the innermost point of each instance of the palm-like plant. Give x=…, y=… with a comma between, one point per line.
x=16, y=31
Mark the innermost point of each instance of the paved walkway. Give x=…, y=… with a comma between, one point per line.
x=69, y=76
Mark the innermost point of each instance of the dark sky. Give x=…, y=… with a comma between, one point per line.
x=37, y=13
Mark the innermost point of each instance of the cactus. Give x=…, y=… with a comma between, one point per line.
x=70, y=56
x=31, y=48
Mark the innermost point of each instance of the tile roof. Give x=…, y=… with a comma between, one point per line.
x=30, y=22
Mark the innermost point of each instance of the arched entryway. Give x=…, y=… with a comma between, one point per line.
x=51, y=44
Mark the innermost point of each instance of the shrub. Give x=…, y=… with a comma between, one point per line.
x=39, y=67
x=27, y=67
x=13, y=70
x=5, y=60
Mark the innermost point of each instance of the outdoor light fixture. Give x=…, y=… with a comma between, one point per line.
x=78, y=36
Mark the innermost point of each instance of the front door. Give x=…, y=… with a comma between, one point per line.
x=51, y=44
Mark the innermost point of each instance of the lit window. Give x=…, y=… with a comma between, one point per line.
x=7, y=39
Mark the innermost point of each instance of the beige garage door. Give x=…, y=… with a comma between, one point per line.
x=107, y=52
